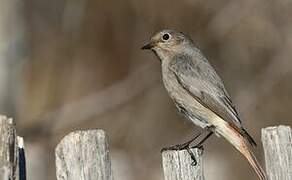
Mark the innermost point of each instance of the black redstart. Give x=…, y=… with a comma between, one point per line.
x=199, y=93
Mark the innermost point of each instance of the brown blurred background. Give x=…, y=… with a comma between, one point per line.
x=77, y=64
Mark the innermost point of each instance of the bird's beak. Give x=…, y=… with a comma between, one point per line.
x=149, y=45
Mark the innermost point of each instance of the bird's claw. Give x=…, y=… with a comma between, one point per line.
x=186, y=147
x=195, y=162
x=201, y=148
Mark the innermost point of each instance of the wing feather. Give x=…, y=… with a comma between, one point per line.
x=201, y=81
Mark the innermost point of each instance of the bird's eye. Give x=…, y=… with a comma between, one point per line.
x=165, y=37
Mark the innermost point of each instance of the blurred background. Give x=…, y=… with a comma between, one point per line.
x=77, y=64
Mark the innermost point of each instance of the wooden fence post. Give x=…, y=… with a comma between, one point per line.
x=83, y=155
x=12, y=159
x=277, y=143
x=8, y=149
x=177, y=165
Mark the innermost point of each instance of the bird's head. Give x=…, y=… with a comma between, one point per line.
x=168, y=42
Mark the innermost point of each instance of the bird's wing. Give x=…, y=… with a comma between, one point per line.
x=199, y=79
x=202, y=82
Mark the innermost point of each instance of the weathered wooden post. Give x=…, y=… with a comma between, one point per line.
x=12, y=159
x=8, y=149
x=84, y=155
x=277, y=143
x=177, y=165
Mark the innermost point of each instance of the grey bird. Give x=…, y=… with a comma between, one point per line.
x=199, y=93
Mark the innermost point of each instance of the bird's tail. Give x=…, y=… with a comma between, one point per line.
x=238, y=140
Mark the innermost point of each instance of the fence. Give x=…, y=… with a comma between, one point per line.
x=84, y=155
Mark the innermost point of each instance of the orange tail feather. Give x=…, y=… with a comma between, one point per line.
x=239, y=141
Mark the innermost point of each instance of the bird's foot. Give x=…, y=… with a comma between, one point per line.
x=176, y=147
x=195, y=162
x=185, y=146
x=200, y=147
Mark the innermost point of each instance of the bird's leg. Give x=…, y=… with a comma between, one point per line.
x=183, y=145
x=199, y=145
x=193, y=157
x=187, y=144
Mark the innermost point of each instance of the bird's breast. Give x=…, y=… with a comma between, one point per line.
x=173, y=87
